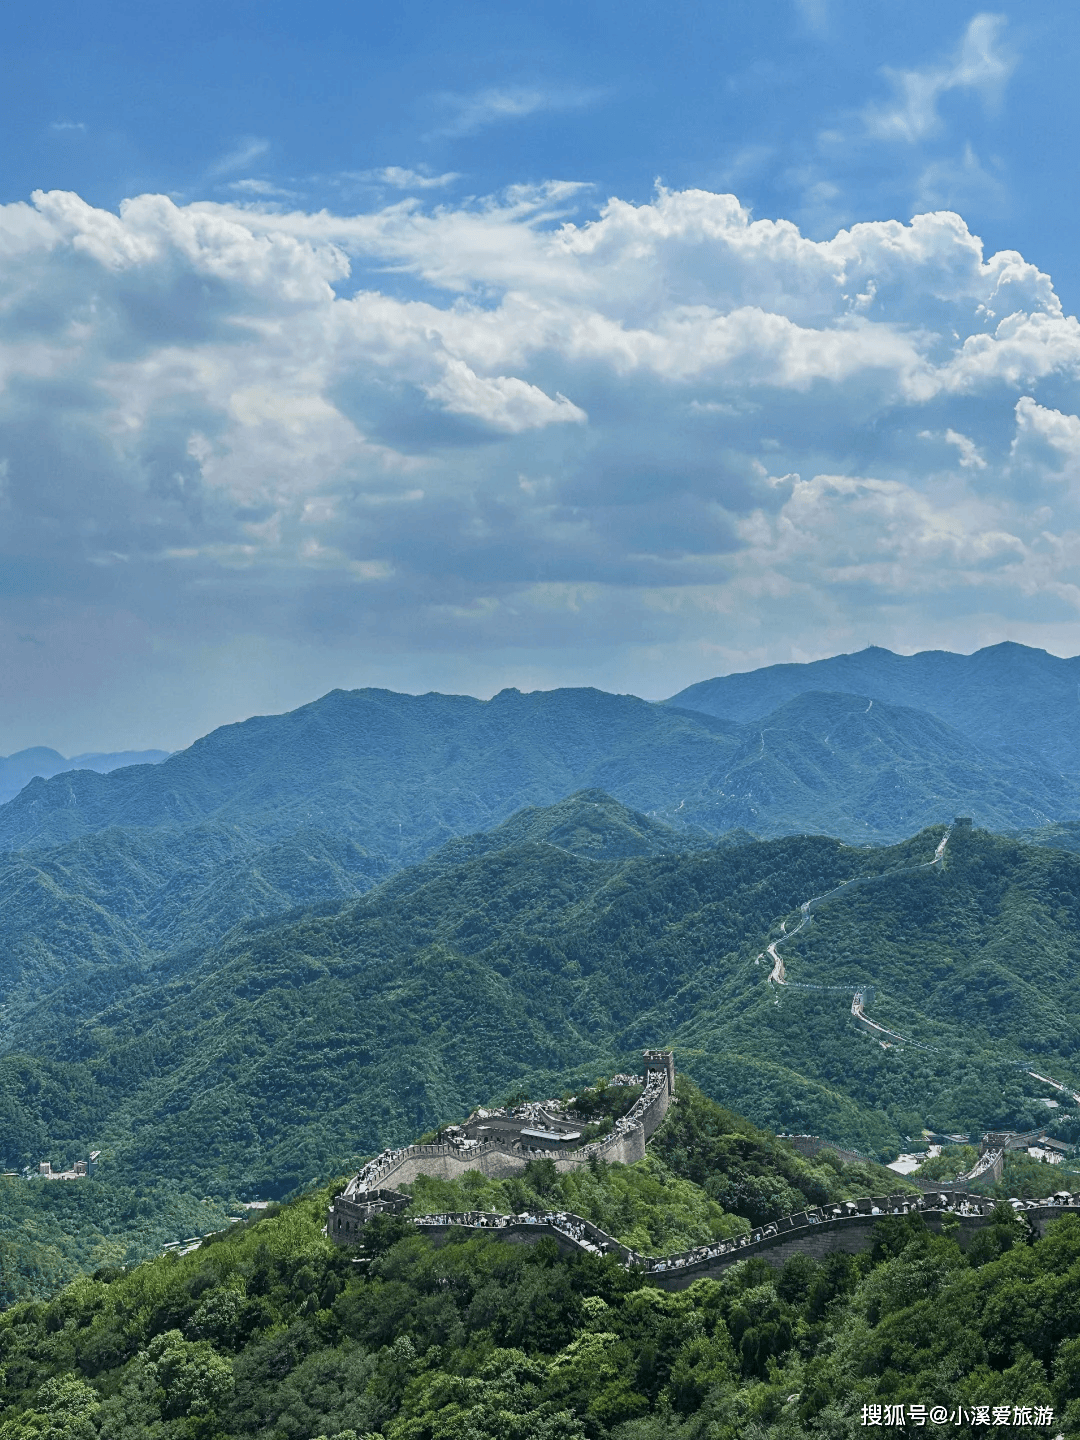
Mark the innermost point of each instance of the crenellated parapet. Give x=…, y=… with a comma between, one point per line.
x=847, y=1226
x=368, y=1192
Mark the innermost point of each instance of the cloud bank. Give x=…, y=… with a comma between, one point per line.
x=462, y=447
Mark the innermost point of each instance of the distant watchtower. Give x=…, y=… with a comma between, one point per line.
x=662, y=1061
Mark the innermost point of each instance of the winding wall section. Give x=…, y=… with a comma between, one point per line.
x=502, y=1158
x=990, y=1163
x=847, y=1227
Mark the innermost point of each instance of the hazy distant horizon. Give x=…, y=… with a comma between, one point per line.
x=88, y=751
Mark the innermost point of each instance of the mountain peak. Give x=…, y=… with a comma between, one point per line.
x=1007, y=697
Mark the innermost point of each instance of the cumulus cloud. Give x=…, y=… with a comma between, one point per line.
x=629, y=447
x=503, y=401
x=1046, y=440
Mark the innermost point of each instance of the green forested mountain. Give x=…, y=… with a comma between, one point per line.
x=1007, y=698
x=290, y=1048
x=399, y=775
x=269, y=1331
x=81, y=921
x=317, y=806
x=850, y=766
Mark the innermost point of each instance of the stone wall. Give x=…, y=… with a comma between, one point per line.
x=814, y=1233
x=850, y=1233
x=810, y=1145
x=846, y=1226
x=500, y=1159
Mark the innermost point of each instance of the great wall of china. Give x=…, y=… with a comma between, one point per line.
x=992, y=1149
x=817, y=1231
x=847, y=1226
x=500, y=1158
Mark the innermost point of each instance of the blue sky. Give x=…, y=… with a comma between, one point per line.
x=769, y=98
x=440, y=359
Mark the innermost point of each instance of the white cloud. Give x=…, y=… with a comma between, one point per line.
x=503, y=401
x=399, y=177
x=468, y=114
x=980, y=64
x=968, y=451
x=956, y=184
x=241, y=155
x=260, y=190
x=1046, y=439
x=547, y=433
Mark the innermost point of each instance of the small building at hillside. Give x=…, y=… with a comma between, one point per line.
x=79, y=1171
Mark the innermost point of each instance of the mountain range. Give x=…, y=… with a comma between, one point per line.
x=39, y=761
x=313, y=934
x=295, y=1045
x=399, y=775
x=1006, y=698
x=105, y=871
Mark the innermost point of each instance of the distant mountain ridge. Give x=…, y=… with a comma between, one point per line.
x=102, y=873
x=1007, y=697
x=23, y=766
x=400, y=775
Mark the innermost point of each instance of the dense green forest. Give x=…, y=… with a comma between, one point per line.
x=269, y=1331
x=709, y=1173
x=529, y=960
x=53, y=1230
x=293, y=1048
x=84, y=922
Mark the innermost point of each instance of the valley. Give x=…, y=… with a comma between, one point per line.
x=236, y=1070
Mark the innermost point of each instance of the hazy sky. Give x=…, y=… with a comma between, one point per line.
x=461, y=346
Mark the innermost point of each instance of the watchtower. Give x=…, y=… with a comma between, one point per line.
x=662, y=1061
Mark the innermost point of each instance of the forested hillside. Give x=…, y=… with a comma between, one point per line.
x=53, y=1231
x=82, y=922
x=291, y=1048
x=1008, y=698
x=270, y=1331
x=399, y=775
